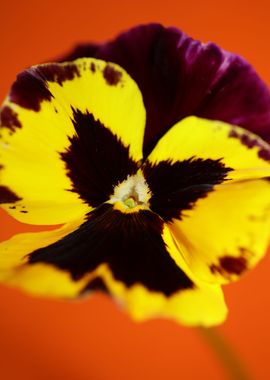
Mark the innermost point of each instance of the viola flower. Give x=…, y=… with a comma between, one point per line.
x=138, y=149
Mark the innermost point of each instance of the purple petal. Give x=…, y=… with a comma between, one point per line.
x=179, y=76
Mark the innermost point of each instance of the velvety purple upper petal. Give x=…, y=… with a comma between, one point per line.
x=179, y=76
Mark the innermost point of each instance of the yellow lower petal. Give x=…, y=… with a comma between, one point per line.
x=38, y=279
x=202, y=305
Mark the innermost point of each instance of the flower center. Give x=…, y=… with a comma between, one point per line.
x=132, y=194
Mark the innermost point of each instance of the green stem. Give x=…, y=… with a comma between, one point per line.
x=227, y=357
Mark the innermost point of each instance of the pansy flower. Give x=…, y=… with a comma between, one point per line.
x=150, y=151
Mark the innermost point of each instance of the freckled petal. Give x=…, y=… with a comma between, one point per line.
x=228, y=232
x=222, y=228
x=179, y=76
x=40, y=279
x=64, y=141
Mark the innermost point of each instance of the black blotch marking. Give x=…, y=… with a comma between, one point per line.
x=96, y=284
x=111, y=75
x=12, y=207
x=229, y=265
x=177, y=186
x=55, y=110
x=7, y=196
x=9, y=119
x=24, y=211
x=130, y=244
x=96, y=159
x=264, y=154
x=92, y=67
x=251, y=142
x=54, y=72
x=29, y=90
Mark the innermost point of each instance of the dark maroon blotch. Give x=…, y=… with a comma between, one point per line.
x=93, y=67
x=54, y=72
x=230, y=265
x=9, y=119
x=7, y=196
x=233, y=133
x=251, y=142
x=111, y=75
x=89, y=161
x=248, y=141
x=176, y=187
x=233, y=265
x=130, y=244
x=264, y=154
x=29, y=90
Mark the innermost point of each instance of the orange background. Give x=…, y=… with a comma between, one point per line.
x=92, y=339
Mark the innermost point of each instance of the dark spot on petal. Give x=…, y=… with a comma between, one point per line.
x=55, y=110
x=251, y=142
x=93, y=67
x=234, y=265
x=24, y=211
x=12, y=207
x=58, y=73
x=111, y=75
x=9, y=119
x=96, y=159
x=130, y=244
x=230, y=265
x=264, y=154
x=7, y=196
x=248, y=141
x=177, y=186
x=29, y=90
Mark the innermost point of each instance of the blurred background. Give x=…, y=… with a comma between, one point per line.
x=91, y=339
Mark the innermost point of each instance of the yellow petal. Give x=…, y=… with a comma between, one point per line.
x=137, y=262
x=247, y=154
x=226, y=230
x=39, y=279
x=37, y=127
x=227, y=233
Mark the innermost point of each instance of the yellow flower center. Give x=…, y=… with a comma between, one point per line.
x=130, y=202
x=131, y=195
